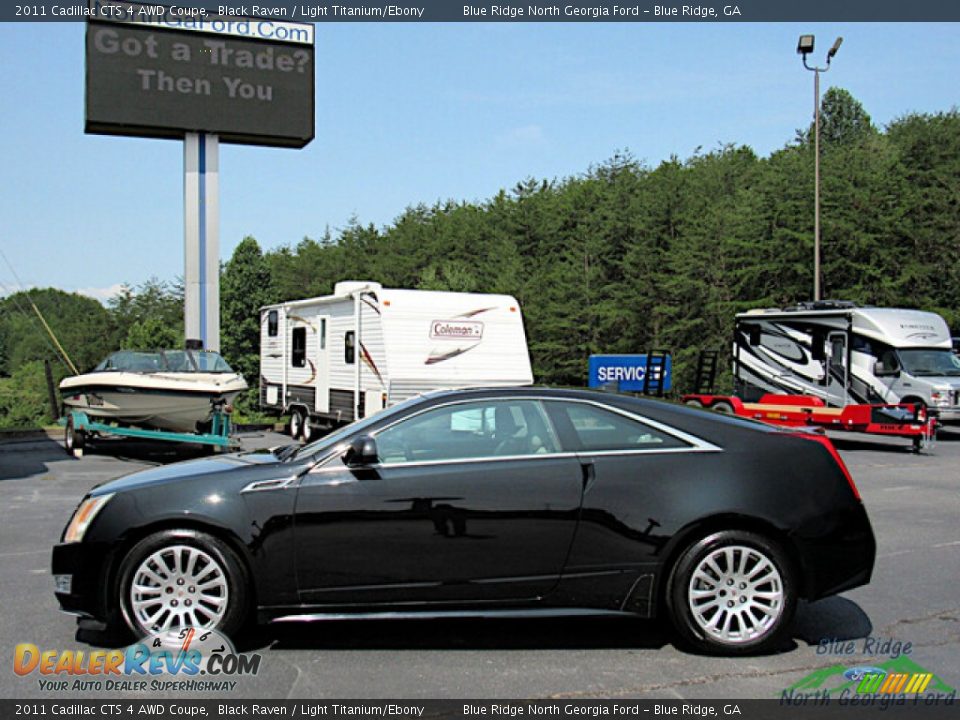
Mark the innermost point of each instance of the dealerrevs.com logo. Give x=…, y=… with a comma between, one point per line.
x=182, y=660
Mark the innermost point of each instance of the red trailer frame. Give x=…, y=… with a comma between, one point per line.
x=901, y=420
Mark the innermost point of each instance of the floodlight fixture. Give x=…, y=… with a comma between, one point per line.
x=833, y=50
x=805, y=45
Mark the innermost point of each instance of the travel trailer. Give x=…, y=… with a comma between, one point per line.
x=330, y=360
x=846, y=354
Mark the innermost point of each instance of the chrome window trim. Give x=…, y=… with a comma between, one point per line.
x=694, y=443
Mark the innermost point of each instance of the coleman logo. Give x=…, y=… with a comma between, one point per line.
x=456, y=330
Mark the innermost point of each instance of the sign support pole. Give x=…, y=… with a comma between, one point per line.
x=201, y=233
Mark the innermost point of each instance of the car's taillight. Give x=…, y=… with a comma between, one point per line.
x=825, y=441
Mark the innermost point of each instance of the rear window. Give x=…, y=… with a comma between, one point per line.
x=598, y=429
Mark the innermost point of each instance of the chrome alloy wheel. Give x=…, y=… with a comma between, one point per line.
x=178, y=586
x=736, y=595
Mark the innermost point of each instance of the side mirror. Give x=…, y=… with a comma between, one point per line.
x=362, y=452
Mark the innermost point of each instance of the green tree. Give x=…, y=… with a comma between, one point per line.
x=156, y=299
x=81, y=325
x=23, y=397
x=151, y=333
x=245, y=287
x=843, y=121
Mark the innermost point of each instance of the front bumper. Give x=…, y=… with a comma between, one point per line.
x=86, y=566
x=946, y=414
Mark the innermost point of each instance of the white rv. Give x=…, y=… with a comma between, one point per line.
x=848, y=354
x=333, y=359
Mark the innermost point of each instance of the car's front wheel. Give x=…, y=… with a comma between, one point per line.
x=182, y=578
x=732, y=592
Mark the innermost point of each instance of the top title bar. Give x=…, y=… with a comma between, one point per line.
x=203, y=13
x=227, y=21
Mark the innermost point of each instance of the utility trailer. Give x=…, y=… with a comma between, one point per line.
x=334, y=359
x=907, y=420
x=79, y=428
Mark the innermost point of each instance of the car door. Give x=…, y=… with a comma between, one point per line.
x=469, y=502
x=638, y=474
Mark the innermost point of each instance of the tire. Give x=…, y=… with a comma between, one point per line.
x=694, y=403
x=309, y=431
x=216, y=599
x=722, y=407
x=762, y=607
x=73, y=440
x=296, y=424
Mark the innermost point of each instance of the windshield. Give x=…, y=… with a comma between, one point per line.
x=184, y=361
x=325, y=443
x=930, y=362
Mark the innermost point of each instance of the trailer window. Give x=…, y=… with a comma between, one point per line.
x=272, y=323
x=349, y=349
x=298, y=352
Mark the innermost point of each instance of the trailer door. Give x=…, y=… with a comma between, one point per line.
x=838, y=372
x=322, y=401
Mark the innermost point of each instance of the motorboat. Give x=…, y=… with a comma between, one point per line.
x=175, y=390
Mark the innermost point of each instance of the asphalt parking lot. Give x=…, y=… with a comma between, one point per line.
x=913, y=501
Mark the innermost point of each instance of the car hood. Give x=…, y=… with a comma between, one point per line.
x=188, y=470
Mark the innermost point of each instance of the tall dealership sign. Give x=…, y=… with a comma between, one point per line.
x=180, y=73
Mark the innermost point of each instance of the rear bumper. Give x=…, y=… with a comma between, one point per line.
x=842, y=559
x=85, y=565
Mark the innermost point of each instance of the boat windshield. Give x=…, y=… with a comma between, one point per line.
x=150, y=361
x=930, y=362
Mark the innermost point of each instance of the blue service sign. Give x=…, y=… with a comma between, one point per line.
x=625, y=372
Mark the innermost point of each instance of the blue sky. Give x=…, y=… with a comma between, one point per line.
x=410, y=113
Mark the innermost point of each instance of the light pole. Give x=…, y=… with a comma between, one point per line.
x=804, y=47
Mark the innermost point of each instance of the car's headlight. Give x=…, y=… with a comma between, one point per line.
x=83, y=516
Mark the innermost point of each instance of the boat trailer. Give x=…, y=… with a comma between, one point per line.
x=78, y=428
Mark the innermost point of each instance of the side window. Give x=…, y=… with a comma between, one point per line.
x=838, y=352
x=349, y=348
x=272, y=324
x=298, y=353
x=598, y=429
x=491, y=429
x=888, y=358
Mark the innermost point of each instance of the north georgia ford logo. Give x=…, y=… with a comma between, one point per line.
x=456, y=330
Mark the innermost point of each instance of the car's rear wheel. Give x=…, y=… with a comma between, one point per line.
x=732, y=593
x=182, y=578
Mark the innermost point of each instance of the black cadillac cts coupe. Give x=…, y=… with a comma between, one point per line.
x=496, y=501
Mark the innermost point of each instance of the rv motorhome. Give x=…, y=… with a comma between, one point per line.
x=846, y=354
x=333, y=359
